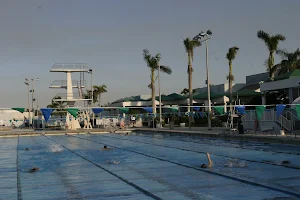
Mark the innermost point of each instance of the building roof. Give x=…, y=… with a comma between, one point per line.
x=292, y=74
x=253, y=86
x=171, y=97
x=132, y=98
x=204, y=95
x=246, y=93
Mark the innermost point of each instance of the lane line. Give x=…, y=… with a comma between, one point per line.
x=110, y=172
x=19, y=186
x=199, y=169
x=202, y=152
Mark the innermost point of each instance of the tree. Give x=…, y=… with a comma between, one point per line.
x=152, y=64
x=98, y=90
x=272, y=42
x=185, y=91
x=230, y=57
x=290, y=61
x=190, y=45
x=58, y=105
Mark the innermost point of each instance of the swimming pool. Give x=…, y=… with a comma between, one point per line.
x=145, y=166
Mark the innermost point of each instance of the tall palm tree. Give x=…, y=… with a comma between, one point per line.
x=272, y=42
x=152, y=63
x=230, y=57
x=98, y=90
x=290, y=61
x=190, y=45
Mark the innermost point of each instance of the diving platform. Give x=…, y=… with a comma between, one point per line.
x=69, y=67
x=63, y=84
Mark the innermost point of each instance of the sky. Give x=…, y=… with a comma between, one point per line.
x=109, y=35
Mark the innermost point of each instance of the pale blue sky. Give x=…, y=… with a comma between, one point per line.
x=110, y=35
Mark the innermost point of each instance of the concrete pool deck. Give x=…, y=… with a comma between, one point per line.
x=145, y=166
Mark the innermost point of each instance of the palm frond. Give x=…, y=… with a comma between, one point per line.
x=190, y=45
x=263, y=36
x=230, y=76
x=165, y=69
x=232, y=53
x=282, y=53
x=279, y=37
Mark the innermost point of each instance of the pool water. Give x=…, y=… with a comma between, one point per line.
x=145, y=166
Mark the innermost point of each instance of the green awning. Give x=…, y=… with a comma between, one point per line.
x=292, y=74
x=170, y=97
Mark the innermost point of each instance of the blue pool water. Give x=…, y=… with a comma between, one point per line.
x=145, y=166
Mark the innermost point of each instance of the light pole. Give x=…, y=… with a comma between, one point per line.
x=205, y=36
x=90, y=71
x=158, y=65
x=27, y=83
x=33, y=80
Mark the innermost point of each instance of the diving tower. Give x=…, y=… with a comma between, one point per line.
x=70, y=96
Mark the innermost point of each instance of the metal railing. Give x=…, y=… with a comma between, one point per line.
x=63, y=83
x=69, y=96
x=285, y=123
x=268, y=115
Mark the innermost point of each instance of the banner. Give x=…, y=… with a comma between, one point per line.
x=123, y=110
x=21, y=110
x=73, y=111
x=197, y=108
x=298, y=110
x=240, y=109
x=148, y=109
x=47, y=113
x=259, y=111
x=220, y=109
x=279, y=109
x=97, y=110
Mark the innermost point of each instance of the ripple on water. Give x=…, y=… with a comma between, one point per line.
x=55, y=148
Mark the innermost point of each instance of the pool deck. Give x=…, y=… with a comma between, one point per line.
x=195, y=131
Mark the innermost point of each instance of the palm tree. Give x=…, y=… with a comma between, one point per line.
x=98, y=90
x=153, y=65
x=271, y=42
x=184, y=91
x=290, y=61
x=230, y=57
x=190, y=45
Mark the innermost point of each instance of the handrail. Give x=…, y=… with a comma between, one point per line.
x=284, y=122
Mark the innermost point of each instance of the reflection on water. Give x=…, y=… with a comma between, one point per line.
x=55, y=148
x=233, y=162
